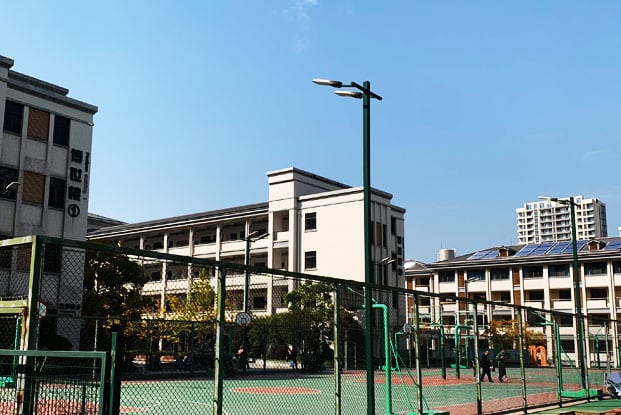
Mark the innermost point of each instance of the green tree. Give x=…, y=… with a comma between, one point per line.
x=191, y=320
x=112, y=287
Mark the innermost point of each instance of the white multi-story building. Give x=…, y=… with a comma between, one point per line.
x=45, y=153
x=548, y=221
x=532, y=275
x=314, y=225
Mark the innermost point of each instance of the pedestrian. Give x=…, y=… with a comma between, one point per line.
x=292, y=357
x=502, y=368
x=242, y=359
x=486, y=365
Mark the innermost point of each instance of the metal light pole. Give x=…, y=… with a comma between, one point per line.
x=366, y=94
x=576, y=280
x=252, y=237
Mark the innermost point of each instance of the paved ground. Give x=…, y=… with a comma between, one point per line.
x=603, y=407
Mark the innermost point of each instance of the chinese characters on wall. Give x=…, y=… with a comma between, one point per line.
x=78, y=181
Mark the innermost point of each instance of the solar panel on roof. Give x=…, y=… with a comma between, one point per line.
x=542, y=248
x=492, y=253
x=579, y=246
x=612, y=246
x=526, y=250
x=482, y=254
x=559, y=247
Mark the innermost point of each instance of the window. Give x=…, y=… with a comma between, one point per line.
x=310, y=260
x=393, y=225
x=57, y=193
x=158, y=245
x=532, y=272
x=5, y=257
x=38, y=124
x=259, y=302
x=505, y=296
x=566, y=321
x=378, y=234
x=61, y=130
x=156, y=276
x=568, y=346
x=310, y=221
x=564, y=295
x=616, y=267
x=535, y=295
x=599, y=293
x=7, y=176
x=595, y=268
x=52, y=258
x=384, y=235
x=499, y=274
x=447, y=276
x=13, y=114
x=476, y=274
x=561, y=270
x=34, y=184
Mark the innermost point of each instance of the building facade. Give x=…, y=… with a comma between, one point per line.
x=310, y=224
x=532, y=275
x=548, y=221
x=45, y=151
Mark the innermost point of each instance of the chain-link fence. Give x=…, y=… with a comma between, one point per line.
x=199, y=335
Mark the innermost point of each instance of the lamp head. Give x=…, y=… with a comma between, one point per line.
x=11, y=186
x=328, y=82
x=351, y=94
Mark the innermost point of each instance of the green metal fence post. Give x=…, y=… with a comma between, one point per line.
x=559, y=362
x=219, y=363
x=476, y=360
x=116, y=362
x=337, y=350
x=522, y=371
x=419, y=372
x=32, y=327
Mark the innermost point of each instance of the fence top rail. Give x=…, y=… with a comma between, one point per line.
x=54, y=353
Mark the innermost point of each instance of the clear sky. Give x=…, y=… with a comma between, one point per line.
x=487, y=104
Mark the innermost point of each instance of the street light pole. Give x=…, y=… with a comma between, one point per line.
x=576, y=280
x=577, y=293
x=366, y=94
x=252, y=237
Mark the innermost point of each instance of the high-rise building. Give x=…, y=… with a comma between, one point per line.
x=549, y=221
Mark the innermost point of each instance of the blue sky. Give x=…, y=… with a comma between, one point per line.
x=486, y=104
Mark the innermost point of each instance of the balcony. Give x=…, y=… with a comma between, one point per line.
x=534, y=304
x=562, y=304
x=281, y=239
x=597, y=304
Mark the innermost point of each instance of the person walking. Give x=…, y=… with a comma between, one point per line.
x=486, y=365
x=502, y=368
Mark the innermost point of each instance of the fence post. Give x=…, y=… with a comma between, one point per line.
x=115, y=376
x=219, y=363
x=419, y=373
x=476, y=358
x=337, y=350
x=32, y=324
x=522, y=372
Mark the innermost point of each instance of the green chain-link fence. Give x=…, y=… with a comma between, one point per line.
x=202, y=336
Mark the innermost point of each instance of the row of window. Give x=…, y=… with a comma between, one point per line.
x=559, y=270
x=38, y=123
x=33, y=188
